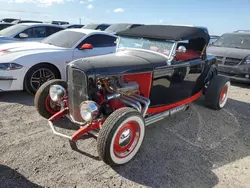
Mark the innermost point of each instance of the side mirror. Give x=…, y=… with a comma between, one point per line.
x=23, y=35
x=86, y=46
x=181, y=49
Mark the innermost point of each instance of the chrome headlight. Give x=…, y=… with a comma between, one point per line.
x=56, y=92
x=246, y=60
x=89, y=110
x=10, y=66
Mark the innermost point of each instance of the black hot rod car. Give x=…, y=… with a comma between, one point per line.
x=156, y=72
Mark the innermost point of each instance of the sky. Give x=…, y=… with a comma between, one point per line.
x=219, y=16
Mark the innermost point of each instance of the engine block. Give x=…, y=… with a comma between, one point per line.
x=120, y=85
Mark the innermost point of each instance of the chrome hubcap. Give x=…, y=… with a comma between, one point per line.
x=223, y=95
x=125, y=138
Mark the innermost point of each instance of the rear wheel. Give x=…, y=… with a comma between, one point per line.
x=44, y=105
x=217, y=92
x=121, y=136
x=38, y=75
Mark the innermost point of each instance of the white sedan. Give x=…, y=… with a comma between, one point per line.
x=26, y=32
x=28, y=65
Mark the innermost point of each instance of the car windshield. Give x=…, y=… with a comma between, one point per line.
x=212, y=40
x=234, y=41
x=12, y=30
x=161, y=46
x=64, y=39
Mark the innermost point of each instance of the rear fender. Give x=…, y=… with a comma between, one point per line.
x=209, y=71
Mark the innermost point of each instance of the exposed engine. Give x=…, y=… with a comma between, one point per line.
x=119, y=85
x=113, y=92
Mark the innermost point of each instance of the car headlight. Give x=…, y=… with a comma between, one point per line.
x=89, y=110
x=56, y=92
x=10, y=66
x=246, y=60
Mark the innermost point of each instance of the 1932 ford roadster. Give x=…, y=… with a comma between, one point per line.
x=157, y=71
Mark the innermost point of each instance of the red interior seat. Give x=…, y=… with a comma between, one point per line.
x=189, y=54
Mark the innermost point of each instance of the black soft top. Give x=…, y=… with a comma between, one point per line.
x=167, y=32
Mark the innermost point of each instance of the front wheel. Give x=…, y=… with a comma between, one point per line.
x=121, y=136
x=38, y=75
x=44, y=105
x=216, y=94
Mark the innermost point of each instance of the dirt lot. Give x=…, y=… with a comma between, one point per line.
x=198, y=148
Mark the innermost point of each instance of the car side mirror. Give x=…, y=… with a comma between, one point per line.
x=23, y=35
x=86, y=46
x=181, y=49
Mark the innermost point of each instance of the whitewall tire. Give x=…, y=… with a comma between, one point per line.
x=121, y=136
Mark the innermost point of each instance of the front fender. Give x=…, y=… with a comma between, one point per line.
x=59, y=60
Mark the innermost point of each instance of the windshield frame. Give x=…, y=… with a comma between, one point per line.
x=168, y=57
x=232, y=44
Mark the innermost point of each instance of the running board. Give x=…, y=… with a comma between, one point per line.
x=155, y=118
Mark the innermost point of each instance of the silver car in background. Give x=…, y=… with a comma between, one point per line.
x=28, y=32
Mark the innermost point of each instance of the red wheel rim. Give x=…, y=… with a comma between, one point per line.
x=126, y=139
x=223, y=94
x=50, y=109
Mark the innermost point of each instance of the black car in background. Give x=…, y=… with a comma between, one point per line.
x=5, y=25
x=73, y=26
x=59, y=22
x=8, y=20
x=101, y=27
x=25, y=21
x=232, y=51
x=114, y=28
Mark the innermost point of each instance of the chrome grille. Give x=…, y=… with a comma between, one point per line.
x=228, y=60
x=232, y=61
x=77, y=91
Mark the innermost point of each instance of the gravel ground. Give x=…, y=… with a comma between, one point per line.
x=197, y=148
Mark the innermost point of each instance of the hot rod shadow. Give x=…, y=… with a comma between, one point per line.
x=183, y=151
x=10, y=178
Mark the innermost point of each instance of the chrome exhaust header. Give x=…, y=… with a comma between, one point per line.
x=141, y=104
x=131, y=102
x=145, y=101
